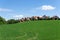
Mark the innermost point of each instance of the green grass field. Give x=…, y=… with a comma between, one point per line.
x=32, y=30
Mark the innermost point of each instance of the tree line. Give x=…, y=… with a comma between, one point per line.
x=33, y=18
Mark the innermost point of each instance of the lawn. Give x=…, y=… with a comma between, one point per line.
x=31, y=30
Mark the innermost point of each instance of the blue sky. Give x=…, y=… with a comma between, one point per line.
x=25, y=8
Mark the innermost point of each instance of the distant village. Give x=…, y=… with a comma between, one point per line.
x=44, y=17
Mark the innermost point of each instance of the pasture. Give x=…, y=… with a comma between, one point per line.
x=31, y=30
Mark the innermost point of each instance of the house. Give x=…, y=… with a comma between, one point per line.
x=22, y=20
x=34, y=18
x=55, y=17
x=27, y=18
x=45, y=17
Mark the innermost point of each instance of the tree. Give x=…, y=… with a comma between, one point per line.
x=12, y=21
x=2, y=20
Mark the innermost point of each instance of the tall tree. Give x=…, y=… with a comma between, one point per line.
x=2, y=20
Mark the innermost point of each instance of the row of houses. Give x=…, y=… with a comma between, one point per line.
x=39, y=18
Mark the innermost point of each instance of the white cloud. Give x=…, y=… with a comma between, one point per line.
x=43, y=7
x=47, y=7
x=18, y=16
x=5, y=10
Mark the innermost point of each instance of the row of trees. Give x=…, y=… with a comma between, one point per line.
x=12, y=21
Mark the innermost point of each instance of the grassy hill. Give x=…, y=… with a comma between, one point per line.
x=32, y=30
